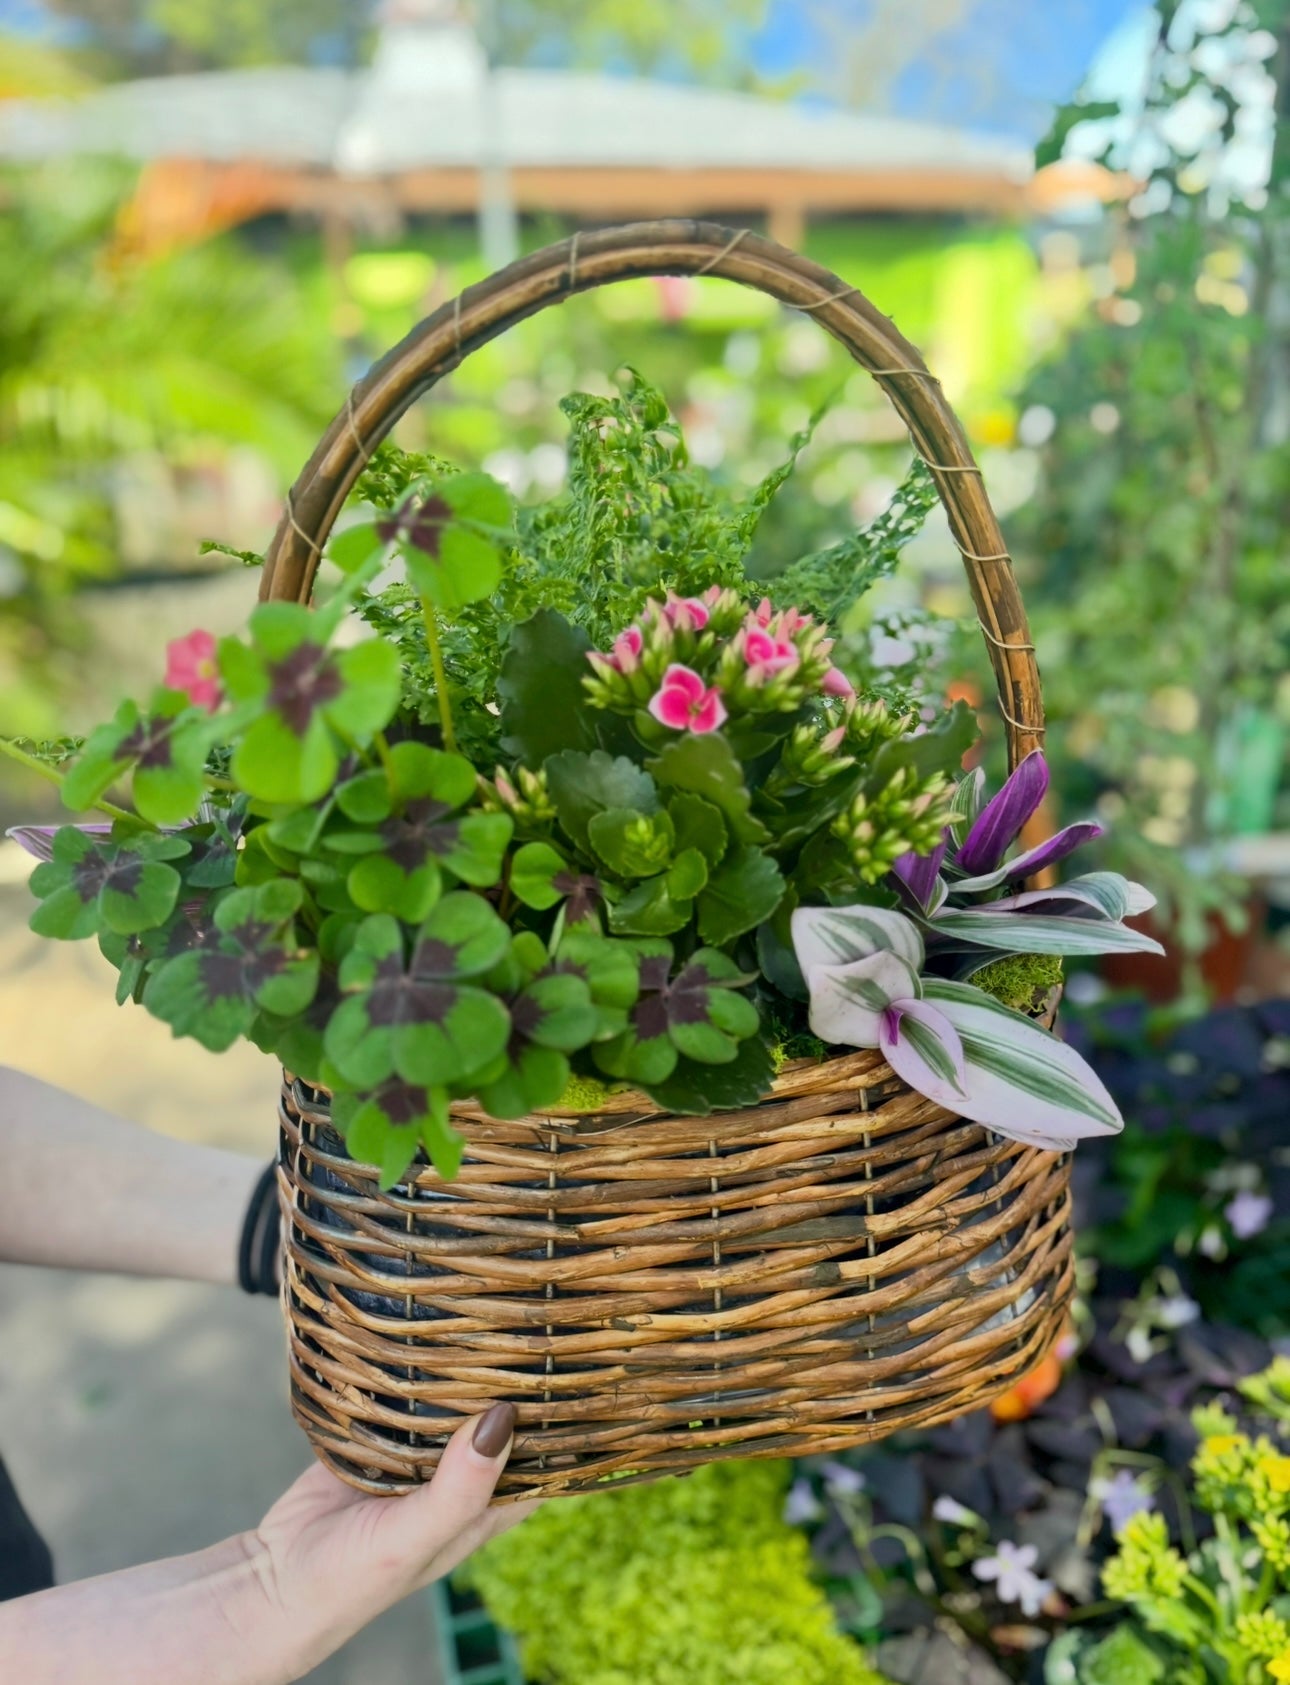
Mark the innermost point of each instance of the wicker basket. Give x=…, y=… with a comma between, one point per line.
x=840, y=1261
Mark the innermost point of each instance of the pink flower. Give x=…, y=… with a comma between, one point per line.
x=190, y=667
x=685, y=703
x=760, y=616
x=836, y=683
x=627, y=649
x=687, y=614
x=766, y=655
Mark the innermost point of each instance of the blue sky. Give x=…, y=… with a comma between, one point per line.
x=1003, y=65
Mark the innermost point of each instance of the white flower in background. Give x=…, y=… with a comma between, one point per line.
x=841, y=1480
x=1122, y=1497
x=952, y=1512
x=1175, y=1312
x=800, y=1503
x=1138, y=1344
x=1248, y=1213
x=1012, y=1568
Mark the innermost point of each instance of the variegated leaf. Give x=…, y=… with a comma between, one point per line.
x=1039, y=933
x=1020, y=1080
x=848, y=1001
x=834, y=936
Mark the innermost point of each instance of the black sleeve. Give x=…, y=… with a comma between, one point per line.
x=25, y=1562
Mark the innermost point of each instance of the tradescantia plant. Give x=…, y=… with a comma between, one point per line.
x=901, y=980
x=516, y=850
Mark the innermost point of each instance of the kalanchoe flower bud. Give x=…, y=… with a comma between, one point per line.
x=526, y=798
x=726, y=610
x=872, y=723
x=810, y=757
x=906, y=816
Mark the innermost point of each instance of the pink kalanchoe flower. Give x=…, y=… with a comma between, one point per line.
x=190, y=667
x=685, y=703
x=627, y=649
x=836, y=683
x=760, y=616
x=687, y=614
x=767, y=656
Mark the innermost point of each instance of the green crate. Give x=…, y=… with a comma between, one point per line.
x=472, y=1651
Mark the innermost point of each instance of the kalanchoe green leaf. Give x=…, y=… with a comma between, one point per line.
x=706, y=766
x=698, y=824
x=250, y=962
x=583, y=785
x=414, y=1014
x=166, y=747
x=123, y=883
x=697, y=1089
x=649, y=909
x=544, y=706
x=630, y=843
x=746, y=889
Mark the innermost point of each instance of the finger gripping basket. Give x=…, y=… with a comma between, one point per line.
x=840, y=1261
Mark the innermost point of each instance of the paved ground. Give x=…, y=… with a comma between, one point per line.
x=141, y=1419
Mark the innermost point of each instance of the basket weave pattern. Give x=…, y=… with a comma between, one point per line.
x=841, y=1261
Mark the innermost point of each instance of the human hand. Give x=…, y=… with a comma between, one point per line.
x=329, y=1559
x=265, y=1607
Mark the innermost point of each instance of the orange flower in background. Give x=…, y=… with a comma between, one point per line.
x=1036, y=1385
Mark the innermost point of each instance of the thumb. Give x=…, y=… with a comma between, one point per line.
x=437, y=1526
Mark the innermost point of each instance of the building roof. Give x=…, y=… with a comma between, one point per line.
x=426, y=103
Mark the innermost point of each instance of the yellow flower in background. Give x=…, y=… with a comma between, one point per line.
x=1223, y=1444
x=1279, y=1667
x=1276, y=1471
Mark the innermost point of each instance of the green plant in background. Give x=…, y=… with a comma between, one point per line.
x=1158, y=525
x=101, y=361
x=696, y=1581
x=1217, y=1613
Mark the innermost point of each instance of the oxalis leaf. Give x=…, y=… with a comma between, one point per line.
x=167, y=748
x=386, y=1127
x=448, y=534
x=121, y=884
x=414, y=1015
x=249, y=963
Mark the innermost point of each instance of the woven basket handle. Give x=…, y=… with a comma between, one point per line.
x=677, y=247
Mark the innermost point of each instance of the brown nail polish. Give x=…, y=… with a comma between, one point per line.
x=493, y=1434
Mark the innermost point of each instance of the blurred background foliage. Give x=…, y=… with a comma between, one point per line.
x=1121, y=371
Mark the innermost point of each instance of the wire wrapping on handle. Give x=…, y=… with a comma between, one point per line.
x=678, y=247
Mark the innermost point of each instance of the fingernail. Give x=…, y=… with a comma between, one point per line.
x=494, y=1432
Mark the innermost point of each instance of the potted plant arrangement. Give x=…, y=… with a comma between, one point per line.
x=661, y=1018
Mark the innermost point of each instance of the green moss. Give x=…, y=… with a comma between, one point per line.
x=696, y=1581
x=587, y=1094
x=1020, y=981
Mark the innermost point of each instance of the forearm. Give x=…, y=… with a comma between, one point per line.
x=207, y=1619
x=84, y=1190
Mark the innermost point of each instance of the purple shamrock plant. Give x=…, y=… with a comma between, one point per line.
x=970, y=902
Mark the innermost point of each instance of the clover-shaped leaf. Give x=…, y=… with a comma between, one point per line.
x=420, y=832
x=552, y=1016
x=413, y=1015
x=166, y=746
x=250, y=963
x=611, y=970
x=541, y=876
x=699, y=1013
x=448, y=536
x=313, y=701
x=387, y=1125
x=119, y=883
